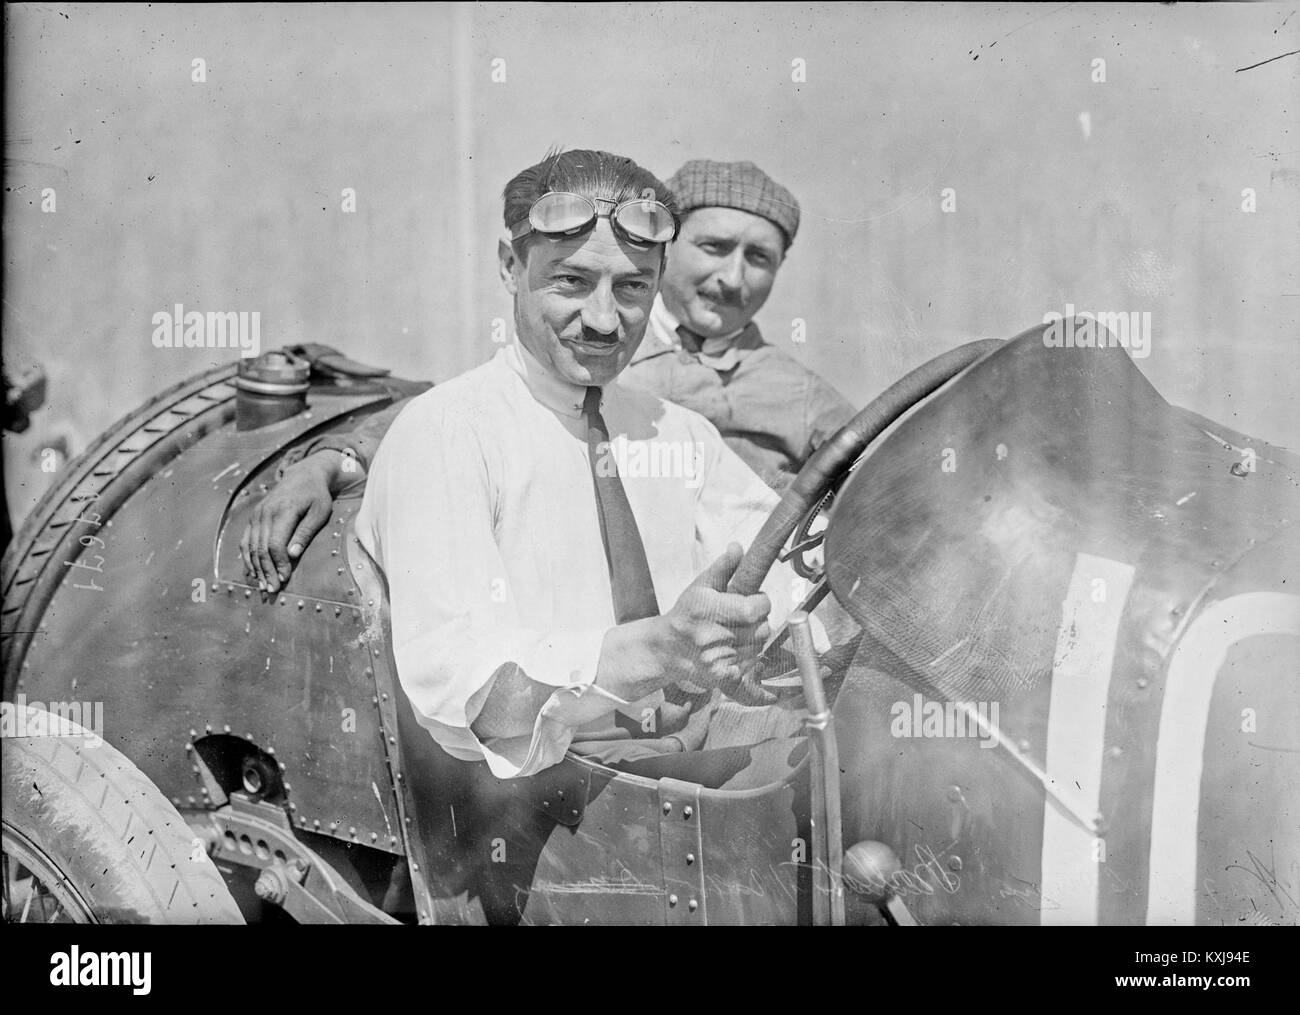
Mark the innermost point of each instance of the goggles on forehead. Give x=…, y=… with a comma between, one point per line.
x=559, y=213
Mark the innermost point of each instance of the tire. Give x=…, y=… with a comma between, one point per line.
x=101, y=836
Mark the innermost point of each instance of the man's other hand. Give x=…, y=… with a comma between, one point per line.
x=713, y=636
x=285, y=522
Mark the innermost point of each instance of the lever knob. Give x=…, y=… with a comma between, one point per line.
x=869, y=868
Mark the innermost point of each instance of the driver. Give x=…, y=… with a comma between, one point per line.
x=525, y=562
x=702, y=349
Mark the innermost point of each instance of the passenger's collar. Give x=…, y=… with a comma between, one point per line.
x=661, y=337
x=554, y=392
x=668, y=323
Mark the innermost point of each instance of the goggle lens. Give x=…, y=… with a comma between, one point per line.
x=560, y=213
x=646, y=220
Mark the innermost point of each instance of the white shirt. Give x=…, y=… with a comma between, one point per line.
x=480, y=508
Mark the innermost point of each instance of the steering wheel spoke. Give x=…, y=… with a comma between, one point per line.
x=807, y=544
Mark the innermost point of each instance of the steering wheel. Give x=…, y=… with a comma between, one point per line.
x=822, y=474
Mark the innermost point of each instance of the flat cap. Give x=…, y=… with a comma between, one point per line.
x=702, y=183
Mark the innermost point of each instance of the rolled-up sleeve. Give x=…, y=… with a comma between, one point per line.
x=428, y=520
x=362, y=442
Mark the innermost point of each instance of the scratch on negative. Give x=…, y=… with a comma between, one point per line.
x=625, y=882
x=597, y=886
x=387, y=823
x=1269, y=60
x=951, y=649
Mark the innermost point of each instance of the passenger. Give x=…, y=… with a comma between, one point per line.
x=525, y=570
x=702, y=350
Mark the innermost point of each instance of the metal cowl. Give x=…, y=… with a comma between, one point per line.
x=270, y=388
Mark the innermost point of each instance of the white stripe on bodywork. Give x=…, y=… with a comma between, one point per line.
x=1076, y=735
x=1180, y=746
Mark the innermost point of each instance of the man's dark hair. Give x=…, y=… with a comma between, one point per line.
x=592, y=174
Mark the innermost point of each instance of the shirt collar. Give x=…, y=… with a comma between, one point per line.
x=661, y=335
x=554, y=392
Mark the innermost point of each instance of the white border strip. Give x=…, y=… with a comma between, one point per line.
x=1180, y=747
x=1076, y=735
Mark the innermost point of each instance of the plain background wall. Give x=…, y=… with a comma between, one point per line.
x=225, y=195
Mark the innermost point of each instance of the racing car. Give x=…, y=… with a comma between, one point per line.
x=1070, y=695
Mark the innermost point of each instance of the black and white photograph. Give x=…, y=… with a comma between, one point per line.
x=653, y=464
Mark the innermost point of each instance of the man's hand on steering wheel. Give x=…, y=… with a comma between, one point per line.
x=712, y=635
x=288, y=518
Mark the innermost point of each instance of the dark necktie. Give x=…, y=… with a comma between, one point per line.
x=629, y=571
x=690, y=341
x=692, y=351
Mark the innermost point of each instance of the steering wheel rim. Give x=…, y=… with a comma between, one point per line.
x=825, y=467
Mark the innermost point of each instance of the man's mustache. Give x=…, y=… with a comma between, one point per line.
x=727, y=299
x=598, y=337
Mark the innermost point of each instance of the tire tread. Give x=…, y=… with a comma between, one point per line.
x=181, y=890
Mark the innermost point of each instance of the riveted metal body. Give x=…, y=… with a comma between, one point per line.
x=165, y=652
x=681, y=843
x=125, y=586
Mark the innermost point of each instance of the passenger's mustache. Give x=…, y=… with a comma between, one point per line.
x=598, y=337
x=728, y=299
